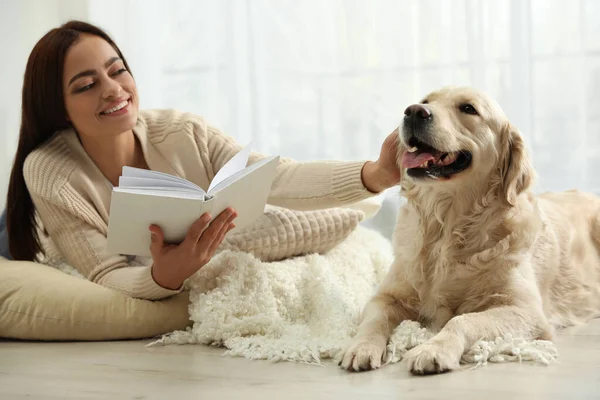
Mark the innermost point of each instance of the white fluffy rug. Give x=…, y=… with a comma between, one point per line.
x=305, y=309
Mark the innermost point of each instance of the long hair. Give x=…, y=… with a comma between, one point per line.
x=43, y=113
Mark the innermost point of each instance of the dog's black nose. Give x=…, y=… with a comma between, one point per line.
x=417, y=111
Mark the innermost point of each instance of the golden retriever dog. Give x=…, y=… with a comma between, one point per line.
x=477, y=254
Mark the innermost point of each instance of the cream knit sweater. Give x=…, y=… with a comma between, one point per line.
x=72, y=196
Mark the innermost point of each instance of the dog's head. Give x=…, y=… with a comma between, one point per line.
x=459, y=137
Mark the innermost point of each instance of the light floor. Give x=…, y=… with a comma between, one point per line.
x=128, y=370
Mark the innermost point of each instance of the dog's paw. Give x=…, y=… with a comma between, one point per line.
x=363, y=354
x=432, y=358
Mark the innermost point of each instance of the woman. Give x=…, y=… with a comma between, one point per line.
x=81, y=124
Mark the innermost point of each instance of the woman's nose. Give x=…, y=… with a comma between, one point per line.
x=112, y=89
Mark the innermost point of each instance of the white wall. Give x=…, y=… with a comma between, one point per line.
x=22, y=24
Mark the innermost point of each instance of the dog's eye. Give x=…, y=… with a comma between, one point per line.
x=467, y=109
x=425, y=101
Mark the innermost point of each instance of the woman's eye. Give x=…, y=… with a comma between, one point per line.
x=84, y=88
x=467, y=109
x=120, y=71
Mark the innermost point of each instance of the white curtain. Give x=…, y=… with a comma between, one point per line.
x=317, y=79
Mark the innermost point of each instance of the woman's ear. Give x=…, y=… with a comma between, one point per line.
x=516, y=170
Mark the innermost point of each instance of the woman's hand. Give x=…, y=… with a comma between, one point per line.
x=383, y=173
x=173, y=264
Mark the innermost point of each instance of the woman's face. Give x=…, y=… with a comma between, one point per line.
x=100, y=95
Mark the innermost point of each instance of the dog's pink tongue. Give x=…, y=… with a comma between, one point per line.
x=412, y=160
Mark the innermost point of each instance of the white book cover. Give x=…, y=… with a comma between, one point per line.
x=146, y=197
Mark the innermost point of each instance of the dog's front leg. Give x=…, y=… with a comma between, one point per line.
x=380, y=317
x=443, y=351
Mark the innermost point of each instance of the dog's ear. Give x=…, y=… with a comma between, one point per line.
x=516, y=170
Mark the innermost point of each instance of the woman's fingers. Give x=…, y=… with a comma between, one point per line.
x=201, y=241
x=213, y=230
x=211, y=240
x=196, y=230
x=218, y=240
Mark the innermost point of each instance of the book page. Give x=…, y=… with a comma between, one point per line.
x=164, y=192
x=234, y=165
x=241, y=174
x=129, y=182
x=144, y=173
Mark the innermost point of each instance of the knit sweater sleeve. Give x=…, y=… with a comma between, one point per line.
x=76, y=229
x=297, y=185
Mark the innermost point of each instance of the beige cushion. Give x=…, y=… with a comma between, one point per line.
x=38, y=302
x=281, y=233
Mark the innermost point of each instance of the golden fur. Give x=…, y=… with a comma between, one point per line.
x=478, y=255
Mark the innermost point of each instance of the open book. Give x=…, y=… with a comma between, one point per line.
x=146, y=197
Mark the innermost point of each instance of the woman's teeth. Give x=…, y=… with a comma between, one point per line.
x=115, y=108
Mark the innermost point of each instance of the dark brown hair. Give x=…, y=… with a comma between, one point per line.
x=43, y=113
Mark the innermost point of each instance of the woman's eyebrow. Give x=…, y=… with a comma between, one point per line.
x=92, y=72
